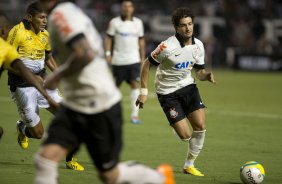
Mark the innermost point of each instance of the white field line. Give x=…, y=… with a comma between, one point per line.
x=209, y=111
x=215, y=112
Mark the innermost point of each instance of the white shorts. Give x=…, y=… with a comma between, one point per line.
x=29, y=100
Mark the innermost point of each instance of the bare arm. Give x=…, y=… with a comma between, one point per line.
x=142, y=48
x=50, y=62
x=108, y=48
x=204, y=75
x=82, y=55
x=144, y=83
x=20, y=68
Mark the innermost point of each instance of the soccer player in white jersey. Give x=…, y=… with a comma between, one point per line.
x=31, y=40
x=175, y=86
x=125, y=36
x=90, y=111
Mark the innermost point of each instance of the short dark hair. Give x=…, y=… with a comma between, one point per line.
x=127, y=1
x=35, y=8
x=180, y=13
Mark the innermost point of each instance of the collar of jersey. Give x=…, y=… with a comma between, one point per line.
x=180, y=41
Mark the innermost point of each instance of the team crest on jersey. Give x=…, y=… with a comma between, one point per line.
x=173, y=113
x=43, y=39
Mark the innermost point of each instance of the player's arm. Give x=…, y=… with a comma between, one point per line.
x=204, y=75
x=82, y=54
x=142, y=48
x=50, y=61
x=20, y=68
x=144, y=77
x=108, y=48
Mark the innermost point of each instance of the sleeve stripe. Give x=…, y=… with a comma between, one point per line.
x=75, y=38
x=153, y=61
x=196, y=66
x=111, y=36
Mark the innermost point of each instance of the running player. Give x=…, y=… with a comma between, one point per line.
x=90, y=111
x=176, y=88
x=31, y=40
x=9, y=60
x=126, y=35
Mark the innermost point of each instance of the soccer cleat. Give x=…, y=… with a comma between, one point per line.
x=193, y=171
x=22, y=139
x=73, y=164
x=167, y=172
x=135, y=120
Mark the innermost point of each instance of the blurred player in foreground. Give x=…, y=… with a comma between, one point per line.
x=126, y=35
x=90, y=112
x=175, y=86
x=31, y=40
x=10, y=60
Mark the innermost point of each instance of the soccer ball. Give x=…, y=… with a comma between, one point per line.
x=252, y=173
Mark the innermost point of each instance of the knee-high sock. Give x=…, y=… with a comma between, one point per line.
x=46, y=171
x=137, y=173
x=195, y=146
x=134, y=109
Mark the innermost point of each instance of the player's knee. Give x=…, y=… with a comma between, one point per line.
x=37, y=133
x=185, y=137
x=200, y=127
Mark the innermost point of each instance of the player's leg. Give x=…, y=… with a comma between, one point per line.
x=30, y=125
x=71, y=162
x=105, y=151
x=133, y=172
x=133, y=77
x=60, y=138
x=196, y=116
x=197, y=120
x=46, y=163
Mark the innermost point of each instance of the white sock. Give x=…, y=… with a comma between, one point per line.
x=134, y=95
x=195, y=146
x=131, y=172
x=46, y=171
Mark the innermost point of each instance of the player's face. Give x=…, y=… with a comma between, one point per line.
x=185, y=28
x=39, y=21
x=127, y=9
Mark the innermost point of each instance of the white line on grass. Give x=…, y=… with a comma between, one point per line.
x=217, y=112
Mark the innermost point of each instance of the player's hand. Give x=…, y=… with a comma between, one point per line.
x=141, y=101
x=109, y=59
x=210, y=78
x=51, y=82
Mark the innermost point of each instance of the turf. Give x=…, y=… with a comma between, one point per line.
x=244, y=123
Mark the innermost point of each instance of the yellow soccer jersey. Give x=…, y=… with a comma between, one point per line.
x=7, y=55
x=30, y=46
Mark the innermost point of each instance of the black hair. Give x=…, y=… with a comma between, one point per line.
x=35, y=8
x=180, y=13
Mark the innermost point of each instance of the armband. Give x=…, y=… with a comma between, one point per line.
x=143, y=91
x=108, y=53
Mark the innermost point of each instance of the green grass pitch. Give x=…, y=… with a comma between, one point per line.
x=244, y=123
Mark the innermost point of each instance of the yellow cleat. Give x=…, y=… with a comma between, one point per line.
x=73, y=164
x=193, y=171
x=167, y=172
x=22, y=140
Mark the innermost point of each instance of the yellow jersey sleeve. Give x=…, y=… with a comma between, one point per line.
x=8, y=55
x=13, y=37
x=48, y=45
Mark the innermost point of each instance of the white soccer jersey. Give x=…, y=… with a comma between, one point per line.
x=91, y=90
x=175, y=62
x=126, y=34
